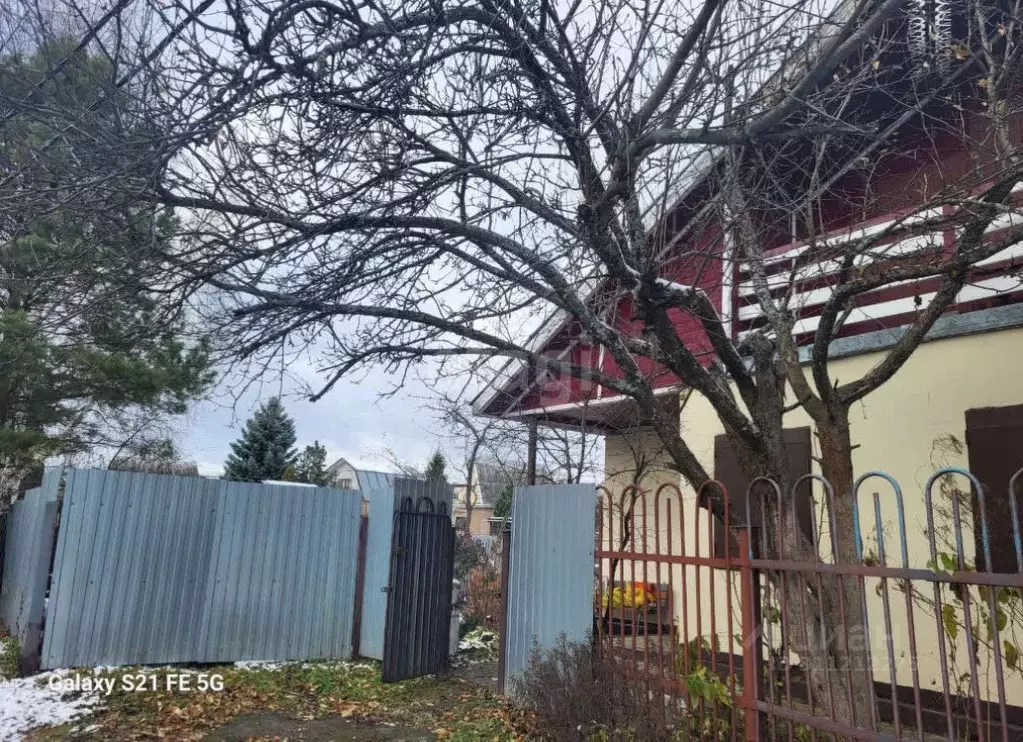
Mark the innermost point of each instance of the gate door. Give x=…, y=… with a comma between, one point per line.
x=416, y=635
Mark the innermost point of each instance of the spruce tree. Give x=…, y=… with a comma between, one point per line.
x=502, y=508
x=435, y=468
x=312, y=465
x=90, y=355
x=266, y=448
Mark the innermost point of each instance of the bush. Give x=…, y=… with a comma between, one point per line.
x=10, y=658
x=468, y=555
x=483, y=596
x=577, y=696
x=469, y=623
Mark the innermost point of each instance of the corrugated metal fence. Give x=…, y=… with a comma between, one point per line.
x=551, y=574
x=26, y=563
x=378, y=567
x=160, y=569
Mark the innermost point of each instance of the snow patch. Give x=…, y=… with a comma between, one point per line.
x=27, y=703
x=478, y=639
x=275, y=666
x=258, y=665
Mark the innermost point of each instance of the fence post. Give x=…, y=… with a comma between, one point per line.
x=502, y=639
x=360, y=579
x=749, y=579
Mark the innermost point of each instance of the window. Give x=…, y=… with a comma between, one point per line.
x=729, y=473
x=345, y=484
x=994, y=445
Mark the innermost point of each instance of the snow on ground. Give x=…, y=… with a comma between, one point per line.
x=273, y=666
x=26, y=703
x=258, y=665
x=478, y=638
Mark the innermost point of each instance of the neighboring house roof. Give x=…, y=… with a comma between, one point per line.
x=282, y=483
x=369, y=480
x=492, y=478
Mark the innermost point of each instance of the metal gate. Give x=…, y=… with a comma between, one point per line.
x=416, y=635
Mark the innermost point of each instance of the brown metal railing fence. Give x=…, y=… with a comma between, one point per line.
x=711, y=632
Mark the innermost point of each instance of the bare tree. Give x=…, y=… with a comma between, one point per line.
x=567, y=455
x=475, y=439
x=563, y=455
x=412, y=182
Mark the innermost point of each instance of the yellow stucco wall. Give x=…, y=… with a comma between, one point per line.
x=904, y=429
x=479, y=524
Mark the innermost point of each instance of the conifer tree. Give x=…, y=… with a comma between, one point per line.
x=435, y=468
x=311, y=467
x=266, y=448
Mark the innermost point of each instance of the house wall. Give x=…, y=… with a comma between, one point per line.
x=908, y=428
x=347, y=471
x=479, y=524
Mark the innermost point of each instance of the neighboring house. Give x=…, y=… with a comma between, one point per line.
x=957, y=401
x=345, y=476
x=488, y=482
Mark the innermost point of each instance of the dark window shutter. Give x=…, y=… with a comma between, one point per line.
x=730, y=474
x=994, y=444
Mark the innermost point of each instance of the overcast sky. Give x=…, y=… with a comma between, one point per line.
x=351, y=421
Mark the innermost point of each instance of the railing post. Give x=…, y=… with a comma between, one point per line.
x=751, y=641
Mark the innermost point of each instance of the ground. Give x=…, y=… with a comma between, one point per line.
x=313, y=702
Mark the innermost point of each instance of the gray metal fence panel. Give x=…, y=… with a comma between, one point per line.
x=26, y=561
x=550, y=577
x=378, y=567
x=160, y=569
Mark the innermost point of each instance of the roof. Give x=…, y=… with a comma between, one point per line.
x=370, y=480
x=492, y=478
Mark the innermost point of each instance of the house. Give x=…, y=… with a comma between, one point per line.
x=489, y=480
x=957, y=401
x=345, y=476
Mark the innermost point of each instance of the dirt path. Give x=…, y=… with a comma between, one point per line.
x=276, y=726
x=480, y=673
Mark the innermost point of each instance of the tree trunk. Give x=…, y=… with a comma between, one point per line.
x=821, y=621
x=824, y=621
x=848, y=638
x=823, y=617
